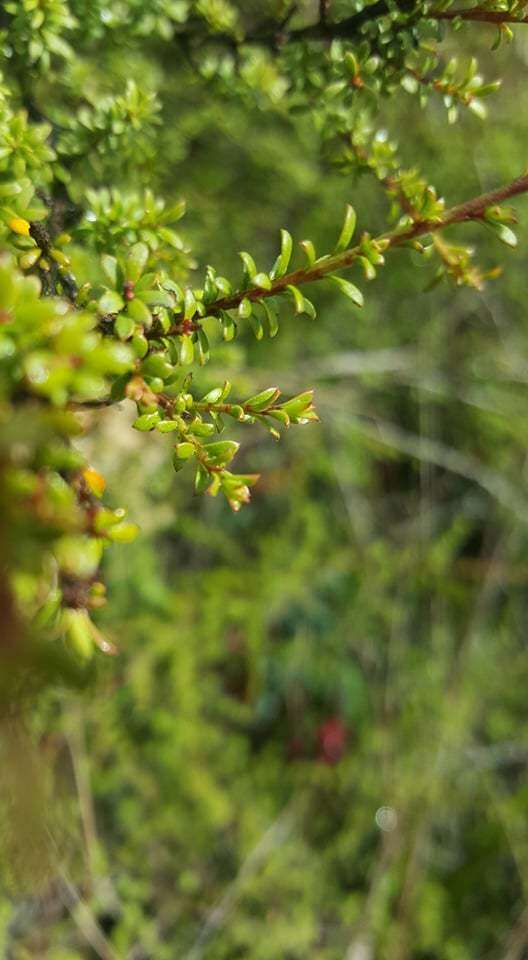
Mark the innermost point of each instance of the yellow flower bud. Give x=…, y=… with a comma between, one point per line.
x=19, y=225
x=95, y=482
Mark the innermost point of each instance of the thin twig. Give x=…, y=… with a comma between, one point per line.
x=473, y=209
x=463, y=464
x=271, y=840
x=86, y=921
x=479, y=14
x=324, y=7
x=76, y=740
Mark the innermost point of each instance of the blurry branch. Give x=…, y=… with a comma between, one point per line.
x=274, y=35
x=356, y=363
x=86, y=922
x=290, y=13
x=471, y=210
x=346, y=29
x=324, y=8
x=271, y=840
x=479, y=14
x=518, y=938
x=326, y=30
x=424, y=449
x=403, y=368
x=76, y=740
x=513, y=828
x=343, y=29
x=497, y=754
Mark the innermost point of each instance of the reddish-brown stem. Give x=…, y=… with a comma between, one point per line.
x=470, y=210
x=479, y=14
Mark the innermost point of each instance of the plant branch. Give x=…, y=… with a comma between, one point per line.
x=324, y=7
x=473, y=209
x=279, y=34
x=348, y=28
x=479, y=14
x=323, y=30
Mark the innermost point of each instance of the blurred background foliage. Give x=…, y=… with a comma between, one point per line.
x=314, y=739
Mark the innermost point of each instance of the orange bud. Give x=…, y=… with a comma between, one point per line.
x=95, y=481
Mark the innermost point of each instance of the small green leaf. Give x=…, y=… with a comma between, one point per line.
x=299, y=404
x=245, y=308
x=409, y=83
x=261, y=280
x=139, y=312
x=110, y=302
x=123, y=532
x=217, y=421
x=282, y=262
x=250, y=267
x=186, y=350
x=213, y=396
x=309, y=308
x=147, y=281
x=220, y=452
x=263, y=400
x=111, y=270
x=136, y=261
x=202, y=479
x=487, y=88
x=271, y=316
x=172, y=287
x=157, y=365
x=257, y=326
x=302, y=304
x=174, y=213
x=348, y=228
x=146, y=422
x=351, y=64
x=279, y=415
x=210, y=291
x=184, y=451
x=200, y=429
x=29, y=259
x=368, y=268
x=309, y=251
x=167, y=426
x=202, y=344
x=349, y=289
x=236, y=411
x=224, y=287
x=190, y=305
x=504, y=233
x=228, y=326
x=78, y=635
x=118, y=391
x=10, y=189
x=124, y=326
x=478, y=108
x=140, y=345
x=155, y=298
